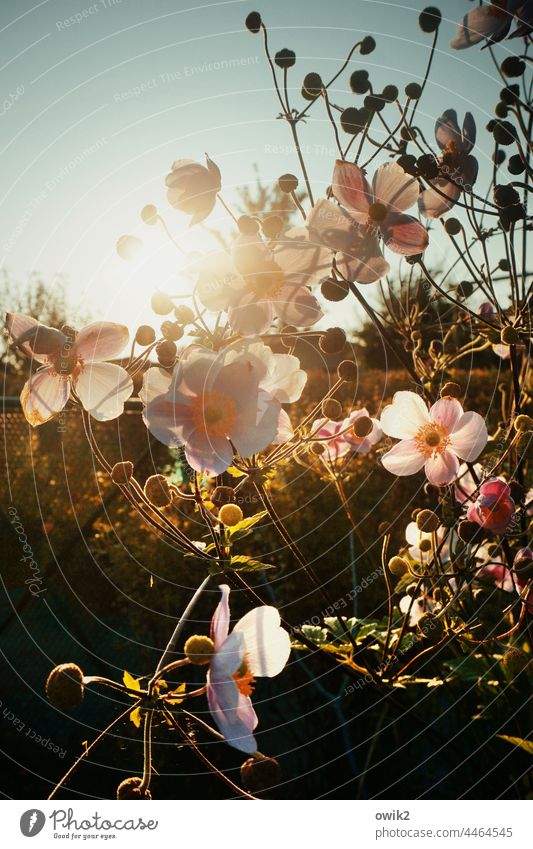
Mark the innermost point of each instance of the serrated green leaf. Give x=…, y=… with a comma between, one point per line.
x=315, y=633
x=242, y=563
x=243, y=527
x=526, y=745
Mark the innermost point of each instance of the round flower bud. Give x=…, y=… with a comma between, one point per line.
x=451, y=390
x=64, y=686
x=511, y=215
x=505, y=195
x=398, y=566
x=128, y=247
x=172, y=330
x=515, y=661
x=513, y=66
x=427, y=521
x=223, y=495
x=504, y=265
x=465, y=288
x=260, y=774
x=374, y=103
x=271, y=226
x=149, y=214
x=408, y=133
x=389, y=93
x=199, y=650
x=332, y=409
x=523, y=562
x=428, y=166
x=425, y=546
x=347, y=370
x=317, y=448
x=145, y=335
x=122, y=472
x=429, y=19
x=452, y=226
x=504, y=132
x=288, y=183
x=430, y=627
x=248, y=225
x=362, y=427
x=184, y=314
x=166, y=353
x=230, y=515
x=161, y=303
x=334, y=290
x=368, y=45
x=158, y=491
x=408, y=163
x=501, y=110
x=523, y=422
x=510, y=335
x=413, y=91
x=515, y=165
x=253, y=22
x=468, y=531
x=510, y=94
x=359, y=82
x=332, y=341
x=353, y=120
x=130, y=788
x=312, y=84
x=285, y=58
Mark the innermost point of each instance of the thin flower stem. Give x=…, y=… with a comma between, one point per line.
x=147, y=751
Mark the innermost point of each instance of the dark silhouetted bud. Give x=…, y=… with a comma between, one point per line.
x=501, y=110
x=172, y=330
x=312, y=84
x=427, y=521
x=157, y=491
x=468, y=531
x=428, y=166
x=184, y=314
x=166, y=353
x=331, y=409
x=413, y=91
x=260, y=774
x=504, y=132
x=288, y=183
x=510, y=94
x=368, y=45
x=332, y=341
x=451, y=390
x=353, y=120
x=253, y=22
x=285, y=58
x=465, y=288
x=408, y=163
x=430, y=627
x=247, y=225
x=362, y=426
x=389, y=93
x=130, y=788
x=121, y=473
x=334, y=290
x=359, y=82
x=515, y=165
x=505, y=195
x=513, y=66
x=452, y=226
x=429, y=19
x=271, y=226
x=64, y=686
x=347, y=370
x=145, y=335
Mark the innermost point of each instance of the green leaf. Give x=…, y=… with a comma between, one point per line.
x=315, y=633
x=526, y=745
x=242, y=563
x=468, y=668
x=235, y=473
x=242, y=528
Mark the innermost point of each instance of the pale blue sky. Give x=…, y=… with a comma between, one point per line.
x=95, y=112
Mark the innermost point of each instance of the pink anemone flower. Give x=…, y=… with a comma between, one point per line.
x=371, y=212
x=340, y=439
x=213, y=404
x=192, y=188
x=71, y=360
x=259, y=283
x=258, y=646
x=494, y=508
x=492, y=22
x=458, y=169
x=435, y=439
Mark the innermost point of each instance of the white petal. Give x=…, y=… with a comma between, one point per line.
x=302, y=260
x=285, y=430
x=442, y=469
x=102, y=389
x=267, y=644
x=285, y=379
x=156, y=381
x=332, y=226
x=403, y=459
x=446, y=412
x=404, y=416
x=43, y=396
x=220, y=620
x=394, y=188
x=102, y=340
x=469, y=437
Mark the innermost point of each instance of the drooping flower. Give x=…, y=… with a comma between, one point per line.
x=494, y=508
x=259, y=283
x=71, y=360
x=214, y=403
x=435, y=439
x=458, y=169
x=414, y=537
x=339, y=438
x=370, y=213
x=192, y=188
x=492, y=22
x=258, y=646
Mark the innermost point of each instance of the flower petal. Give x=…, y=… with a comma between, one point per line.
x=220, y=620
x=330, y=225
x=433, y=203
x=302, y=260
x=446, y=412
x=19, y=325
x=394, y=187
x=101, y=340
x=447, y=130
x=363, y=262
x=43, y=396
x=208, y=453
x=469, y=437
x=285, y=429
x=404, y=234
x=251, y=316
x=102, y=389
x=484, y=22
x=233, y=714
x=296, y=305
x=156, y=381
x=442, y=468
x=257, y=425
x=404, y=459
x=404, y=416
x=350, y=187
x=267, y=644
